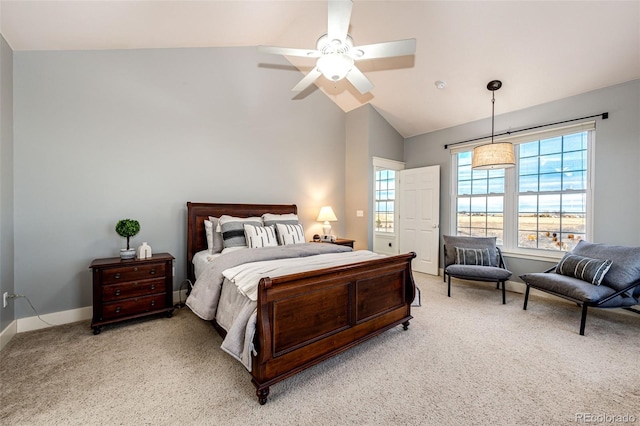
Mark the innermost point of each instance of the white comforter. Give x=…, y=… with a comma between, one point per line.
x=246, y=275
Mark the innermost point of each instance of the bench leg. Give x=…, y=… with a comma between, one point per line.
x=526, y=298
x=583, y=320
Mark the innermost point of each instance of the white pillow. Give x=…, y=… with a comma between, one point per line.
x=290, y=234
x=260, y=236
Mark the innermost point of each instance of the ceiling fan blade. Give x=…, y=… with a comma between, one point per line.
x=359, y=80
x=339, y=16
x=288, y=51
x=307, y=80
x=385, y=50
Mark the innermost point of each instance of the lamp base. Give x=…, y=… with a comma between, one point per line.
x=326, y=228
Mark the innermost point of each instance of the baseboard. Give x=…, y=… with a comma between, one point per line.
x=65, y=317
x=54, y=318
x=8, y=333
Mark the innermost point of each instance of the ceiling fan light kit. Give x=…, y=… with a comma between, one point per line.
x=336, y=53
x=493, y=155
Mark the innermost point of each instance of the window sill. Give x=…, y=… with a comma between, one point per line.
x=552, y=257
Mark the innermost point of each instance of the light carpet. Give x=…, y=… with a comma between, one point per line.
x=465, y=360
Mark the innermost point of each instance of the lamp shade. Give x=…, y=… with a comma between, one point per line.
x=327, y=215
x=335, y=66
x=493, y=156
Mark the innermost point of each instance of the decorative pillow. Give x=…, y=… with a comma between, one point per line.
x=290, y=234
x=232, y=229
x=583, y=268
x=260, y=236
x=214, y=238
x=472, y=256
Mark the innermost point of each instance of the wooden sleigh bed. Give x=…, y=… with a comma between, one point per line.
x=305, y=318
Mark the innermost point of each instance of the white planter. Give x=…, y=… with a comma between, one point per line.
x=127, y=253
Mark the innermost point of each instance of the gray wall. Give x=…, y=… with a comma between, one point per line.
x=617, y=156
x=105, y=135
x=6, y=181
x=368, y=135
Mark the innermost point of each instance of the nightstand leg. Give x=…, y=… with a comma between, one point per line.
x=96, y=330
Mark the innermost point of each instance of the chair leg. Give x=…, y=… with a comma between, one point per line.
x=583, y=320
x=449, y=285
x=526, y=298
x=504, y=299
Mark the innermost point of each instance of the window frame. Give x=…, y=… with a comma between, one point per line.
x=510, y=213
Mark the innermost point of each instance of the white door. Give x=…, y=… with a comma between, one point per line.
x=420, y=217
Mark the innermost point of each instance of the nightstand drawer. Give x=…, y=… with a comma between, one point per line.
x=138, y=305
x=133, y=272
x=132, y=289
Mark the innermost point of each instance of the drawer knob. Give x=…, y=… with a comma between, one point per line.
x=135, y=269
x=117, y=275
x=153, y=286
x=118, y=309
x=153, y=303
x=117, y=292
x=152, y=272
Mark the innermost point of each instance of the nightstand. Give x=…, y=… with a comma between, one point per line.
x=126, y=289
x=339, y=241
x=344, y=242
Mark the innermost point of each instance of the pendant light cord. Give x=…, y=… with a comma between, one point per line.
x=493, y=115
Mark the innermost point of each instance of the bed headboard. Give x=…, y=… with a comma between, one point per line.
x=198, y=212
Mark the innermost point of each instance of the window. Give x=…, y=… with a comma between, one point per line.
x=541, y=205
x=385, y=200
x=480, y=200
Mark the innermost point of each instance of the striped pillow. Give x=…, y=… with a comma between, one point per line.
x=260, y=236
x=583, y=268
x=472, y=256
x=290, y=234
x=232, y=229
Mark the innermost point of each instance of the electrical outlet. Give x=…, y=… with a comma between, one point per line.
x=5, y=296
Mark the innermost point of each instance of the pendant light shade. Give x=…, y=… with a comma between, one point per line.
x=493, y=155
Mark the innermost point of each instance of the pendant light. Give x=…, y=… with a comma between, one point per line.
x=493, y=155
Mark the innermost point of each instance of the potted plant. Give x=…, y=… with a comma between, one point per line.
x=127, y=228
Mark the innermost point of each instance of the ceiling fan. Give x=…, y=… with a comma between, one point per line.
x=336, y=53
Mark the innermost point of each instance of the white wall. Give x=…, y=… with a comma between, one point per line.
x=106, y=135
x=6, y=182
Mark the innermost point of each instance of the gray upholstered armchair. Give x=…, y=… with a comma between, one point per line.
x=596, y=275
x=476, y=259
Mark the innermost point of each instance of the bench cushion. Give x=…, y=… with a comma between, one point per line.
x=576, y=289
x=484, y=273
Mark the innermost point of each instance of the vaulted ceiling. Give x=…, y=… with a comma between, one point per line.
x=541, y=50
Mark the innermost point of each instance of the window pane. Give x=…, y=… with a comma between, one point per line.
x=551, y=163
x=552, y=219
x=479, y=186
x=464, y=187
x=385, y=200
x=528, y=166
x=529, y=183
x=551, y=146
x=551, y=182
x=529, y=149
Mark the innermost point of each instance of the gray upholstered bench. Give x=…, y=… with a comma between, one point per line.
x=585, y=277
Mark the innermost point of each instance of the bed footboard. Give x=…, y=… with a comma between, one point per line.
x=305, y=318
